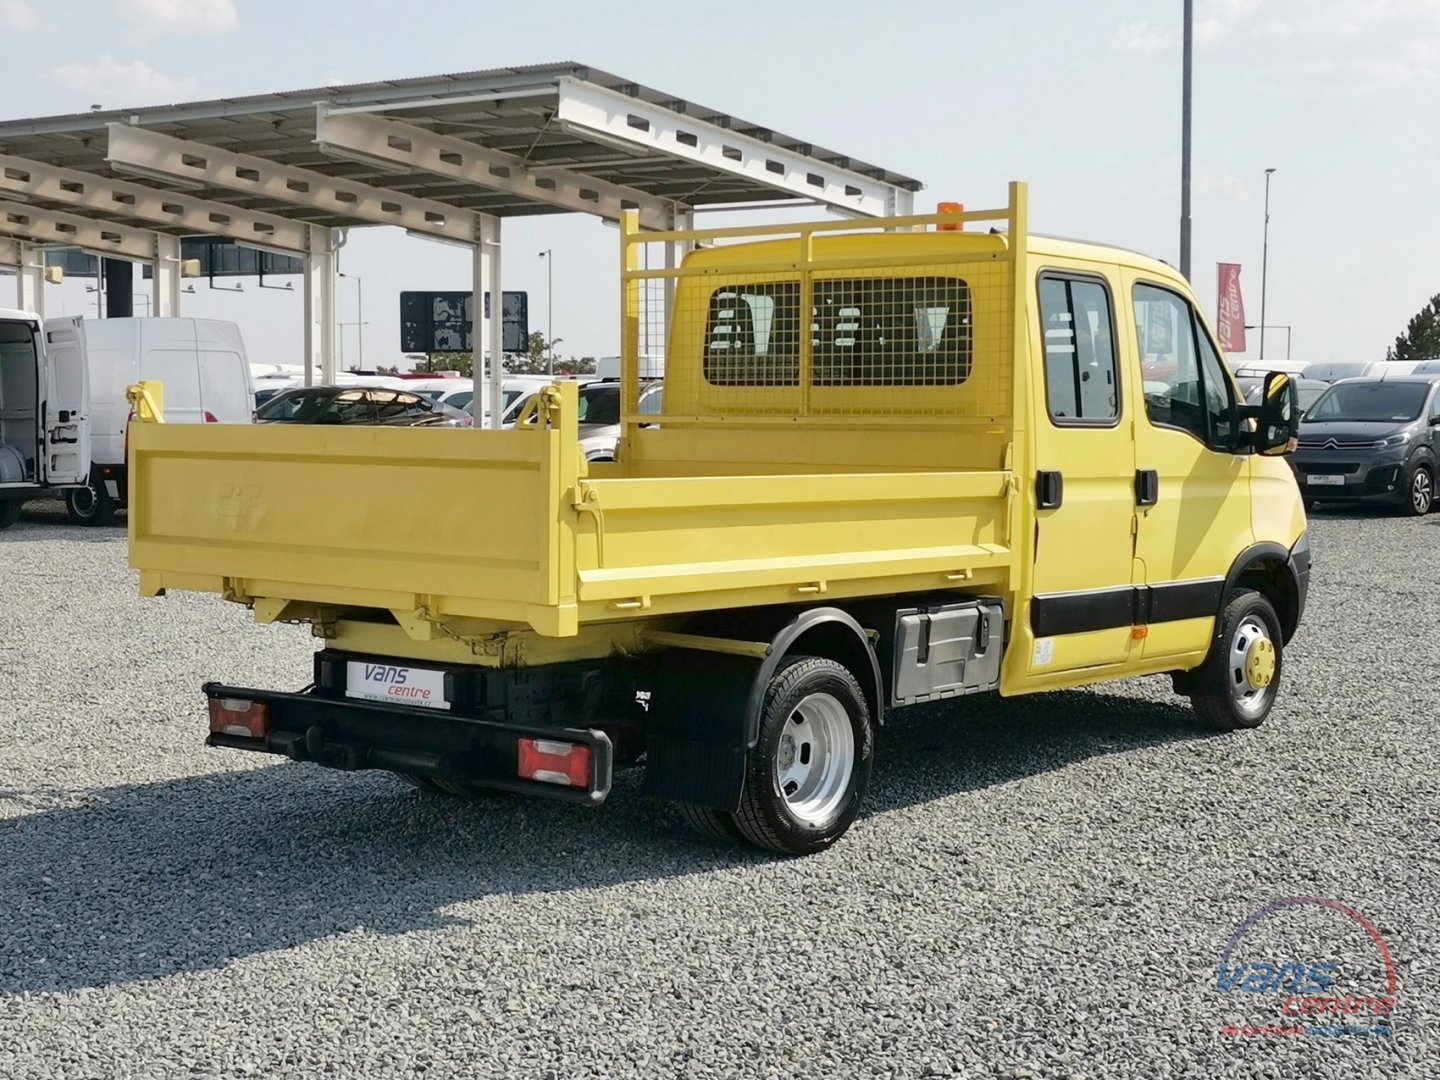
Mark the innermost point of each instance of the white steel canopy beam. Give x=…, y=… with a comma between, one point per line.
x=635, y=125
x=71, y=230
x=119, y=198
x=182, y=161
x=374, y=139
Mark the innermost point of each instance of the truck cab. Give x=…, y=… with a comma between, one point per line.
x=44, y=409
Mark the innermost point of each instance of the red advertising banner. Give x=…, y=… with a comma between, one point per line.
x=1230, y=322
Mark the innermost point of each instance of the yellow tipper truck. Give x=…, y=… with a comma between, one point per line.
x=895, y=461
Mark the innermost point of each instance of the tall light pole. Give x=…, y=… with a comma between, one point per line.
x=359, y=318
x=1278, y=326
x=549, y=256
x=1264, y=261
x=1186, y=53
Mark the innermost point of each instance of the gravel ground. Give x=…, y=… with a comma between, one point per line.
x=1040, y=887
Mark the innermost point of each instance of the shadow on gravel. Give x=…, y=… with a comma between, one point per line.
x=1360, y=511
x=42, y=514
x=148, y=880
x=928, y=752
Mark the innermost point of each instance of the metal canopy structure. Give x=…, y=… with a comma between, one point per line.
x=445, y=157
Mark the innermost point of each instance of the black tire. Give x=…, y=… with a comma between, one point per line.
x=420, y=783
x=1308, y=502
x=820, y=704
x=10, y=512
x=1419, y=491
x=464, y=791
x=1247, y=650
x=90, y=505
x=716, y=824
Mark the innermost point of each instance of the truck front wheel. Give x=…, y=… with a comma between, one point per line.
x=807, y=775
x=1237, y=685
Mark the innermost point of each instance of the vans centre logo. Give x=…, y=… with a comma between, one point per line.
x=1341, y=983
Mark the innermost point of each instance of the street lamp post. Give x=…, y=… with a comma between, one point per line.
x=1187, y=46
x=359, y=318
x=1275, y=326
x=1264, y=261
x=549, y=256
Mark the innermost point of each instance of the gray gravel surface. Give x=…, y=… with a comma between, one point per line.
x=1039, y=887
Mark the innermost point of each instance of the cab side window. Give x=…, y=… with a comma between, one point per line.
x=1081, y=373
x=1184, y=380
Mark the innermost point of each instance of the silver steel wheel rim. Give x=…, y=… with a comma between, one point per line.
x=85, y=500
x=815, y=758
x=1249, y=699
x=1420, y=493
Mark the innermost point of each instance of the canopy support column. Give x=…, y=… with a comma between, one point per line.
x=320, y=306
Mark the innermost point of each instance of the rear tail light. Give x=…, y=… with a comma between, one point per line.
x=552, y=762
x=236, y=716
x=211, y=418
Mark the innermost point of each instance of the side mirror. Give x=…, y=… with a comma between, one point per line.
x=1277, y=416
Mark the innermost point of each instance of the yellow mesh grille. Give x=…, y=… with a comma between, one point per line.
x=825, y=324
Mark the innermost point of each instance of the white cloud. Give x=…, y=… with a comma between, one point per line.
x=18, y=15
x=1226, y=185
x=1141, y=38
x=1218, y=19
x=118, y=84
x=197, y=18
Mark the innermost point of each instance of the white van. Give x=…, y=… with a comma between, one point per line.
x=205, y=377
x=44, y=402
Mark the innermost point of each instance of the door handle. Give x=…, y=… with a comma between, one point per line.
x=1049, y=489
x=1147, y=487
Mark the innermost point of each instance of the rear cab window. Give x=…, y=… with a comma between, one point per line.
x=1077, y=325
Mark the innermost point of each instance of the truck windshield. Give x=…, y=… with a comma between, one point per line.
x=1372, y=402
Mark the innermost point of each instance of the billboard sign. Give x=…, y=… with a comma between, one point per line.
x=441, y=321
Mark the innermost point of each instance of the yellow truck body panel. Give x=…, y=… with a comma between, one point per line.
x=825, y=458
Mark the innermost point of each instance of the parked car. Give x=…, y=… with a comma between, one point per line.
x=1259, y=368
x=512, y=389
x=1374, y=439
x=378, y=405
x=1309, y=390
x=1334, y=370
x=600, y=416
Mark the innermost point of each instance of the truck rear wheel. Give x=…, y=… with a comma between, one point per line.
x=420, y=783
x=807, y=775
x=716, y=824
x=10, y=512
x=90, y=505
x=1237, y=685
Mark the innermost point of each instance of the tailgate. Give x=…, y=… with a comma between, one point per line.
x=453, y=521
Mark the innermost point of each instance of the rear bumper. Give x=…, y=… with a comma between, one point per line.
x=339, y=733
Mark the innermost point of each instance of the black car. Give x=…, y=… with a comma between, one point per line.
x=373, y=405
x=1373, y=439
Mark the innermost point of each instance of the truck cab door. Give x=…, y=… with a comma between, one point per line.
x=65, y=408
x=1198, y=519
x=1082, y=596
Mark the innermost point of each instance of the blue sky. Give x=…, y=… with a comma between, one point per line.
x=1080, y=99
